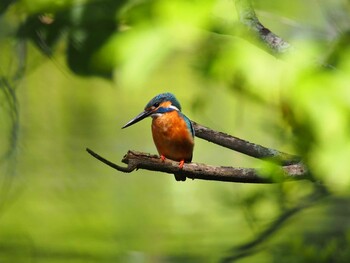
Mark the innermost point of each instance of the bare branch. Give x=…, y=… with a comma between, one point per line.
x=248, y=18
x=245, y=147
x=292, y=167
x=139, y=160
x=127, y=169
x=253, y=246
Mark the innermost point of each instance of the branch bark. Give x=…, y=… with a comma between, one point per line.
x=248, y=18
x=245, y=147
x=289, y=166
x=138, y=160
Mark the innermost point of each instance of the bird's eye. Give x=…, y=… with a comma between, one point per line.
x=156, y=105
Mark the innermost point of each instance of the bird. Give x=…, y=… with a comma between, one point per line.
x=172, y=132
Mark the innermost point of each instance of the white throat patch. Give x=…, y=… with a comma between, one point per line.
x=173, y=107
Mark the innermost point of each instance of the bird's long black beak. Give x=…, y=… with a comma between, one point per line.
x=138, y=118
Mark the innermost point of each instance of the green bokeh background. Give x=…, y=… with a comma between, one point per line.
x=58, y=204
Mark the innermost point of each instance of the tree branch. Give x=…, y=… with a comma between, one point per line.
x=292, y=167
x=139, y=160
x=248, y=18
x=253, y=246
x=245, y=147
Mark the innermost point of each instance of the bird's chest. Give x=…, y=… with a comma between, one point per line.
x=172, y=137
x=169, y=127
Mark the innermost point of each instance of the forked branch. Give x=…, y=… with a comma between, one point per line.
x=138, y=160
x=289, y=168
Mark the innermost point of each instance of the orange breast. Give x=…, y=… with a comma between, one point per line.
x=172, y=137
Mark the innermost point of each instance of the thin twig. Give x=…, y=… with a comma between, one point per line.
x=251, y=247
x=127, y=169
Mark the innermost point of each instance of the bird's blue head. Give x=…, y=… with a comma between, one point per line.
x=167, y=99
x=162, y=103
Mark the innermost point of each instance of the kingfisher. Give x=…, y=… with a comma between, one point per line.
x=172, y=131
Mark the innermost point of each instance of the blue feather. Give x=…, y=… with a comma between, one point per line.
x=164, y=110
x=162, y=98
x=188, y=123
x=169, y=97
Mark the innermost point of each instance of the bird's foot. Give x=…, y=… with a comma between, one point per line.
x=181, y=164
x=162, y=157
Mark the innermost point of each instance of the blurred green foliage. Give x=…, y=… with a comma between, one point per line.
x=72, y=72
